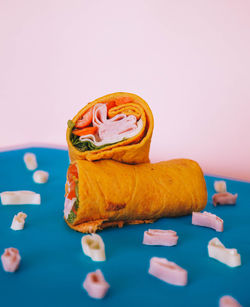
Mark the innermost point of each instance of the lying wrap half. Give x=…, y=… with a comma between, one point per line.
x=117, y=126
x=108, y=193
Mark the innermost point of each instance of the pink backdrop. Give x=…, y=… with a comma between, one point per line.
x=189, y=59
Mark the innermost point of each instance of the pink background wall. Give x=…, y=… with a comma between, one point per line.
x=189, y=59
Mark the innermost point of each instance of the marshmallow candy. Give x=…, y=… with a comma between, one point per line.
x=18, y=221
x=10, y=259
x=30, y=161
x=20, y=198
x=40, y=176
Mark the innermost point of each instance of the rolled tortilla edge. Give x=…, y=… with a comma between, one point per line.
x=98, y=154
x=98, y=225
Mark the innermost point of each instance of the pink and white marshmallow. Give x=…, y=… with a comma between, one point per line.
x=160, y=237
x=20, y=198
x=228, y=256
x=93, y=246
x=207, y=219
x=30, y=161
x=96, y=285
x=168, y=271
x=18, y=221
x=220, y=186
x=40, y=177
x=225, y=198
x=228, y=301
x=10, y=259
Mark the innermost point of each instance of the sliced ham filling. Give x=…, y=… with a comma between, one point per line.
x=68, y=205
x=111, y=130
x=70, y=196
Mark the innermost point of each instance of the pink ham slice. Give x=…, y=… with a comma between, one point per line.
x=96, y=285
x=225, y=198
x=111, y=130
x=108, y=128
x=160, y=237
x=207, y=219
x=68, y=204
x=10, y=259
x=168, y=271
x=228, y=301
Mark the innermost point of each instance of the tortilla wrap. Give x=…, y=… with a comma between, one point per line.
x=132, y=150
x=113, y=194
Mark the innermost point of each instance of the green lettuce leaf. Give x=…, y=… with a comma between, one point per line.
x=76, y=204
x=77, y=190
x=70, y=124
x=86, y=145
x=71, y=217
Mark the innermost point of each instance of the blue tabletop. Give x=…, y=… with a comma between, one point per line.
x=53, y=266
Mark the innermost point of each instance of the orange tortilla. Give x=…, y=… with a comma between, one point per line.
x=133, y=150
x=114, y=194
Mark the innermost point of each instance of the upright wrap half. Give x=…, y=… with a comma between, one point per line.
x=108, y=193
x=117, y=126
